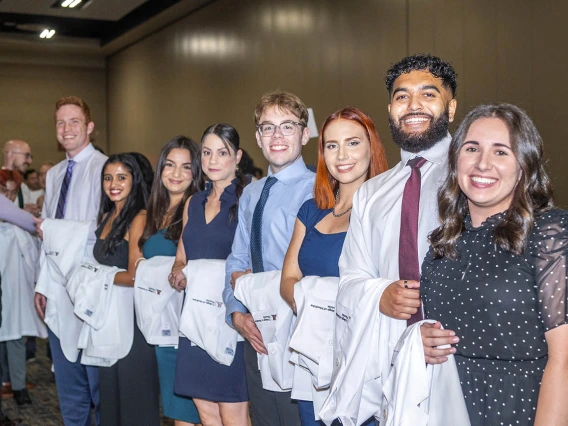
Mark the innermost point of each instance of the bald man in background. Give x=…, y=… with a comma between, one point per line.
x=18, y=156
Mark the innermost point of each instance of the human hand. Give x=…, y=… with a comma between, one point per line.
x=238, y=274
x=38, y=222
x=244, y=324
x=401, y=299
x=432, y=336
x=40, y=302
x=177, y=280
x=33, y=209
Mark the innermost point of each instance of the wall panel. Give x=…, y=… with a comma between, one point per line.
x=215, y=64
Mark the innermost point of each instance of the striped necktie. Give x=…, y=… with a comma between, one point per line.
x=60, y=212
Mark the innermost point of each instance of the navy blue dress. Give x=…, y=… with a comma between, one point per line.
x=319, y=255
x=197, y=374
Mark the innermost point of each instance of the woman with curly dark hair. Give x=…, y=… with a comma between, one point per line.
x=495, y=276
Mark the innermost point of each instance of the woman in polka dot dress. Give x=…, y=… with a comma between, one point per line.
x=495, y=277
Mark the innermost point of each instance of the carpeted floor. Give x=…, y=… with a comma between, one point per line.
x=44, y=411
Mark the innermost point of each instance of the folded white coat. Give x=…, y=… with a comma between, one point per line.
x=65, y=246
x=19, y=253
x=260, y=293
x=313, y=332
x=157, y=305
x=417, y=394
x=203, y=315
x=312, y=337
x=359, y=351
x=107, y=311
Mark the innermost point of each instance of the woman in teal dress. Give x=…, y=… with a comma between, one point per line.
x=177, y=177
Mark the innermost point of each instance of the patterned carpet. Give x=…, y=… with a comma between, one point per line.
x=45, y=409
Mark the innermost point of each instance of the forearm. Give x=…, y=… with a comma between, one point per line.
x=124, y=278
x=552, y=408
x=287, y=291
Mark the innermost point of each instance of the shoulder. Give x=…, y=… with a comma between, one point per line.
x=307, y=211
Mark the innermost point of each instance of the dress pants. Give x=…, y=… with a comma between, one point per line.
x=77, y=387
x=267, y=408
x=13, y=358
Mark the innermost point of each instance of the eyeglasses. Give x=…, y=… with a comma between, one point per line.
x=287, y=128
x=25, y=154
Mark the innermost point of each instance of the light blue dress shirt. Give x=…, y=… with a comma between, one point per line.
x=295, y=185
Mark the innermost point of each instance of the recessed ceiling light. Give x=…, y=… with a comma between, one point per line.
x=71, y=3
x=47, y=33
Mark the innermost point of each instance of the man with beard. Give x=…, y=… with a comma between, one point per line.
x=398, y=209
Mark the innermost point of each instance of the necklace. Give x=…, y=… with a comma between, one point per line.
x=339, y=214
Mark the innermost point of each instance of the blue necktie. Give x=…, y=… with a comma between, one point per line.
x=60, y=212
x=256, y=230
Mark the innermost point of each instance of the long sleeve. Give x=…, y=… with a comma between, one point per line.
x=12, y=214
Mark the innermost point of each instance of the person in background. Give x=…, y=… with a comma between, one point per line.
x=73, y=192
x=41, y=174
x=210, y=221
x=128, y=389
x=177, y=177
x=31, y=188
x=18, y=156
x=500, y=255
x=349, y=153
x=281, y=131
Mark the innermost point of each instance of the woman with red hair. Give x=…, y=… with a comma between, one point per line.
x=349, y=152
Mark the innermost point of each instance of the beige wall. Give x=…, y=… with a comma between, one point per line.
x=215, y=64
x=31, y=83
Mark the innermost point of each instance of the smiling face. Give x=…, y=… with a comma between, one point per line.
x=420, y=110
x=219, y=162
x=177, y=174
x=72, y=129
x=347, y=151
x=117, y=183
x=280, y=150
x=487, y=169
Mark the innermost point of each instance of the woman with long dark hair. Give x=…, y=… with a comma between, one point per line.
x=129, y=388
x=210, y=221
x=495, y=276
x=349, y=153
x=177, y=177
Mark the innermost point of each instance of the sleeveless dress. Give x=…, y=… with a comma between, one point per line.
x=197, y=374
x=500, y=305
x=173, y=406
x=319, y=255
x=128, y=397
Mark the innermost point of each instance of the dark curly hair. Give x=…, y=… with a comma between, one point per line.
x=420, y=62
x=531, y=197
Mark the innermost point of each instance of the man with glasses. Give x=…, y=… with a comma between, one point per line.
x=270, y=206
x=18, y=156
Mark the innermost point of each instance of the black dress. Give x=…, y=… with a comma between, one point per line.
x=129, y=390
x=500, y=305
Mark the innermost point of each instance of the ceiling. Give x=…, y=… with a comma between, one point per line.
x=96, y=22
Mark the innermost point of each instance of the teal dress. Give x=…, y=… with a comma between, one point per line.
x=174, y=406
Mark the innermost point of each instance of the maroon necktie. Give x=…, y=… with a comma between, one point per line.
x=408, y=266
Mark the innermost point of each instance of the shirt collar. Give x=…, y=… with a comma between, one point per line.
x=437, y=154
x=83, y=155
x=291, y=174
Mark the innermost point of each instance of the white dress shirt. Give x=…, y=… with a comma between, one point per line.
x=370, y=252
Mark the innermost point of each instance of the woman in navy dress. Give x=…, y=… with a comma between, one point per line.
x=177, y=177
x=126, y=396
x=495, y=276
x=349, y=152
x=210, y=222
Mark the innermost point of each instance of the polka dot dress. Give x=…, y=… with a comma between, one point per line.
x=500, y=305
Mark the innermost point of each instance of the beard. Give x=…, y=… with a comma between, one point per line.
x=418, y=142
